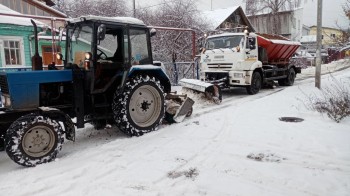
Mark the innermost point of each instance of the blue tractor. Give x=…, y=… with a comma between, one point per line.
x=108, y=77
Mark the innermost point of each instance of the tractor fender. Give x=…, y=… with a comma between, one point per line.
x=152, y=71
x=59, y=115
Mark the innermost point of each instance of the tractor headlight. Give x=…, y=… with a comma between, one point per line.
x=88, y=55
x=6, y=100
x=238, y=75
x=59, y=56
x=2, y=100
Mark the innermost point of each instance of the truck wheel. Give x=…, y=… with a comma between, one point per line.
x=34, y=139
x=255, y=86
x=289, y=81
x=141, y=107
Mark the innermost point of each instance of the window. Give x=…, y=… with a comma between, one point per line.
x=140, y=53
x=12, y=51
x=333, y=35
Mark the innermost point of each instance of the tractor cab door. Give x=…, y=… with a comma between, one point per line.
x=112, y=58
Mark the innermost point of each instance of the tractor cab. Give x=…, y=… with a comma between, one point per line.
x=107, y=48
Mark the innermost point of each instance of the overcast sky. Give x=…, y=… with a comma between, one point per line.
x=332, y=10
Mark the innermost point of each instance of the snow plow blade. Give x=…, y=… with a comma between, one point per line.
x=211, y=91
x=185, y=110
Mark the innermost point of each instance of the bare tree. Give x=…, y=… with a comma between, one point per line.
x=178, y=14
x=346, y=8
x=76, y=8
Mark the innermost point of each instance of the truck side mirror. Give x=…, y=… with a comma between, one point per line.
x=101, y=32
x=152, y=32
x=200, y=42
x=251, y=43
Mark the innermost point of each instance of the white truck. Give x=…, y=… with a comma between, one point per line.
x=244, y=59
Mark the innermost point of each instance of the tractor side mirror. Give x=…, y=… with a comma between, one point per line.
x=101, y=32
x=152, y=32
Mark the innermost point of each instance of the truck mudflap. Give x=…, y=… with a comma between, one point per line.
x=211, y=91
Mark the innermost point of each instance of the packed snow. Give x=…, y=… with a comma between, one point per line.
x=239, y=147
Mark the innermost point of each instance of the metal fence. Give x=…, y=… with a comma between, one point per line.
x=179, y=70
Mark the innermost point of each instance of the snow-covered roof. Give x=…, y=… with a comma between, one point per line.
x=128, y=20
x=216, y=17
x=308, y=38
x=15, y=20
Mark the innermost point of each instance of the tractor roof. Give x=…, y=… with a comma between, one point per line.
x=125, y=20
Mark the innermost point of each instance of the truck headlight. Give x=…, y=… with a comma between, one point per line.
x=238, y=75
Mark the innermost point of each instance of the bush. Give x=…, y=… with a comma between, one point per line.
x=334, y=101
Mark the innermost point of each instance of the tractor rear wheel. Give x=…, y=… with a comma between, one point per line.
x=34, y=139
x=140, y=108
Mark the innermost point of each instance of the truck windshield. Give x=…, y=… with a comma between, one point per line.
x=224, y=42
x=79, y=42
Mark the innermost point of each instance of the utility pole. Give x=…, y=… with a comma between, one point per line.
x=319, y=45
x=134, y=8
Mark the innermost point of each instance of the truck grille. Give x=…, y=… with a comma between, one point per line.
x=3, y=84
x=220, y=65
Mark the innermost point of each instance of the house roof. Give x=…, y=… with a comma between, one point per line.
x=324, y=27
x=308, y=38
x=217, y=17
x=15, y=20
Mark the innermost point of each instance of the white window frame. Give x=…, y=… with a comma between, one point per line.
x=2, y=51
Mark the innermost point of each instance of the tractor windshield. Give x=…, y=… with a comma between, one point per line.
x=140, y=47
x=79, y=43
x=224, y=42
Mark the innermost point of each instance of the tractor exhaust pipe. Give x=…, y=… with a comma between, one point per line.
x=37, y=61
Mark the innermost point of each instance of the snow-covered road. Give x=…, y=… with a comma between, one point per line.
x=237, y=148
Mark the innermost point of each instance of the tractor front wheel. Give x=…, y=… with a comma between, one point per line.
x=140, y=108
x=34, y=139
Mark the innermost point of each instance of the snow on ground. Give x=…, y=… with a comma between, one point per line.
x=239, y=147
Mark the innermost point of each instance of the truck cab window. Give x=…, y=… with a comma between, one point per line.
x=223, y=42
